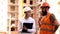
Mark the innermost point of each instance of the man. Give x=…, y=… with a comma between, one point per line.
x=22, y=29
x=48, y=23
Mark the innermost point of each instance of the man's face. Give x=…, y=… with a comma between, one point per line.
x=44, y=10
x=28, y=13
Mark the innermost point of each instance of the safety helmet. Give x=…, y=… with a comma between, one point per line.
x=45, y=4
x=27, y=9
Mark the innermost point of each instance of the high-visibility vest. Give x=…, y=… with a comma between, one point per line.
x=47, y=27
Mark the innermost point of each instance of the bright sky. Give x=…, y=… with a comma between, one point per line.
x=3, y=15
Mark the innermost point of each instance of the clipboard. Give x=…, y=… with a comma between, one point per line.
x=28, y=25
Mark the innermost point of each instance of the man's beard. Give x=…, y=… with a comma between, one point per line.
x=44, y=13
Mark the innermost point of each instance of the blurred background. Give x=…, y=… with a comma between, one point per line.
x=12, y=10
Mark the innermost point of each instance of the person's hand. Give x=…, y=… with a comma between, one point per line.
x=25, y=28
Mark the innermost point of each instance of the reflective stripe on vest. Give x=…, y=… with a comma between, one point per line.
x=48, y=24
x=46, y=29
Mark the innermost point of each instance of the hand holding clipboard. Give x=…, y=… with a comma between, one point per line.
x=27, y=26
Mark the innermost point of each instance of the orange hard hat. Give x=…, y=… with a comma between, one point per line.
x=45, y=4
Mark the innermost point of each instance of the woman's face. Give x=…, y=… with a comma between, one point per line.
x=28, y=13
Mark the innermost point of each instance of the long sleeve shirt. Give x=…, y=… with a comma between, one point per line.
x=29, y=20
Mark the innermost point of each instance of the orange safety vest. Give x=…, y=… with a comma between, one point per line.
x=47, y=26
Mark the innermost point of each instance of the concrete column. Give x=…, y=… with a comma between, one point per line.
x=28, y=2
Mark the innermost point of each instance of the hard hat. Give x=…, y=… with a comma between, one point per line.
x=45, y=4
x=27, y=9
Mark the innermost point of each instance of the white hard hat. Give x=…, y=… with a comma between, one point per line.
x=27, y=9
